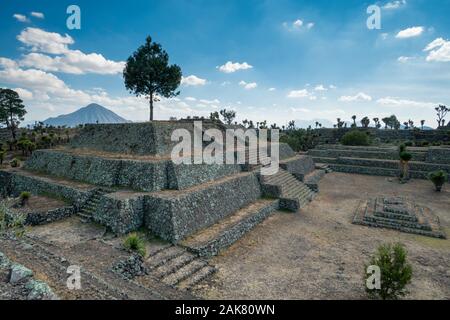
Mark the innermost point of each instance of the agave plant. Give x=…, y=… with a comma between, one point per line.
x=438, y=178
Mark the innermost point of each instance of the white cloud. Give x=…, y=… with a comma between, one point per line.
x=410, y=32
x=397, y=102
x=438, y=50
x=7, y=63
x=320, y=88
x=248, y=86
x=361, y=96
x=193, y=81
x=39, y=15
x=272, y=89
x=404, y=59
x=394, y=4
x=24, y=94
x=66, y=60
x=20, y=17
x=231, y=67
x=190, y=99
x=297, y=25
x=42, y=41
x=74, y=62
x=333, y=86
x=303, y=93
x=205, y=101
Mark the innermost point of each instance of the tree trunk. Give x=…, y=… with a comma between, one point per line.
x=151, y=107
x=12, y=126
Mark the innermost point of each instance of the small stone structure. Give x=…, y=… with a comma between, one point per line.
x=381, y=160
x=122, y=176
x=400, y=214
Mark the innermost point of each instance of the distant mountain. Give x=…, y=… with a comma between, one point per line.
x=93, y=113
x=306, y=123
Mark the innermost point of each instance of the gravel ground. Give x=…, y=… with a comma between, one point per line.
x=318, y=254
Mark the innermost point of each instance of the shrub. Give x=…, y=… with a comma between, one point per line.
x=24, y=197
x=396, y=272
x=355, y=138
x=135, y=243
x=15, y=163
x=438, y=178
x=405, y=156
x=2, y=156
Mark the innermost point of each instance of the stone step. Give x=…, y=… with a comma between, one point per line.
x=374, y=171
x=393, y=164
x=185, y=272
x=197, y=277
x=434, y=234
x=398, y=223
x=163, y=257
x=173, y=265
x=210, y=241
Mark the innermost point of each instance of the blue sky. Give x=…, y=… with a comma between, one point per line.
x=275, y=60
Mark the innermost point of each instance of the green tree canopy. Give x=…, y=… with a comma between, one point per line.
x=148, y=73
x=12, y=110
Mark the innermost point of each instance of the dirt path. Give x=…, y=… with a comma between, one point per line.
x=319, y=254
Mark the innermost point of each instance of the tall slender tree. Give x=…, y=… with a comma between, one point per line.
x=148, y=73
x=12, y=110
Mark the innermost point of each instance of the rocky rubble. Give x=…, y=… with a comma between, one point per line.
x=17, y=283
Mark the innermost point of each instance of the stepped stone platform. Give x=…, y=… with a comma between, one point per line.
x=400, y=214
x=121, y=176
x=382, y=161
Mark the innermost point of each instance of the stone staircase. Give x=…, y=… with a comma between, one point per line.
x=211, y=240
x=176, y=267
x=91, y=205
x=293, y=194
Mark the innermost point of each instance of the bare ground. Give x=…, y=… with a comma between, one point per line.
x=318, y=254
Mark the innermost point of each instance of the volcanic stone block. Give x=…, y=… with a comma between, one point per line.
x=123, y=212
x=173, y=215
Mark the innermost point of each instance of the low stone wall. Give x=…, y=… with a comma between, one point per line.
x=38, y=218
x=332, y=136
x=365, y=154
x=149, y=138
x=5, y=183
x=184, y=176
x=392, y=164
x=19, y=183
x=175, y=215
x=138, y=175
x=299, y=167
x=121, y=212
x=438, y=155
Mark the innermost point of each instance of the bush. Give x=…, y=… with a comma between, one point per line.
x=396, y=272
x=355, y=138
x=24, y=197
x=438, y=178
x=2, y=156
x=15, y=163
x=135, y=243
x=405, y=156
